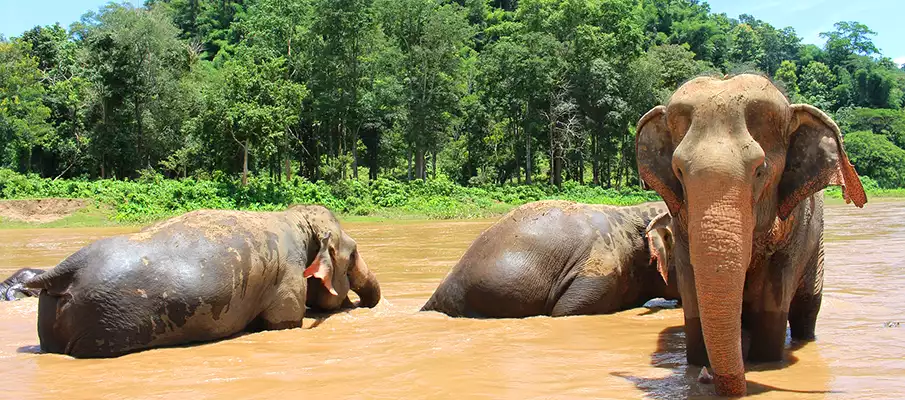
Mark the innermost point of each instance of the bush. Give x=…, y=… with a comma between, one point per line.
x=875, y=156
x=152, y=197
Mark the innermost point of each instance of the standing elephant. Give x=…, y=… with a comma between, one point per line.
x=14, y=287
x=559, y=258
x=201, y=276
x=742, y=172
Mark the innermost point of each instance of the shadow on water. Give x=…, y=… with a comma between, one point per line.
x=682, y=382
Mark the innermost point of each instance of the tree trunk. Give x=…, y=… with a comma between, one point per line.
x=518, y=169
x=434, y=166
x=527, y=158
x=420, y=170
x=355, y=154
x=245, y=163
x=595, y=158
x=608, y=161
x=552, y=147
x=409, y=159
x=581, y=168
x=139, y=156
x=288, y=166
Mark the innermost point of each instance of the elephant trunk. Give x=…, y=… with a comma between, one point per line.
x=364, y=283
x=720, y=231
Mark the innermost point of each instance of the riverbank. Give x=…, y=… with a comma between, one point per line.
x=151, y=198
x=31, y=201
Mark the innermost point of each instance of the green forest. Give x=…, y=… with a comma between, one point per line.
x=469, y=93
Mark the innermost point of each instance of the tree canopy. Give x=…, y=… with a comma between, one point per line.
x=477, y=91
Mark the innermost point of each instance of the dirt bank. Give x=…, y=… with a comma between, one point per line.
x=39, y=211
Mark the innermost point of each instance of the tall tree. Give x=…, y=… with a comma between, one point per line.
x=23, y=115
x=433, y=40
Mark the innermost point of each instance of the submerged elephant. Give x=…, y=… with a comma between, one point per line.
x=14, y=288
x=742, y=172
x=559, y=258
x=201, y=276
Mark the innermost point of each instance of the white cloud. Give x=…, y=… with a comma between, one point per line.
x=899, y=60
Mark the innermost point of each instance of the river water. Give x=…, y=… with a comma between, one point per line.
x=395, y=352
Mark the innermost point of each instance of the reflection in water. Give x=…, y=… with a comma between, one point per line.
x=393, y=351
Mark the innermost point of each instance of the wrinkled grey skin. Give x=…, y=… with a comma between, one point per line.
x=557, y=258
x=202, y=276
x=13, y=288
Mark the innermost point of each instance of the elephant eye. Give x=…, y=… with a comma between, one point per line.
x=760, y=170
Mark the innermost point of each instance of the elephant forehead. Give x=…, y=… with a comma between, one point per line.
x=734, y=94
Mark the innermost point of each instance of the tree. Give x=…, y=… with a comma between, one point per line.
x=789, y=79
x=850, y=39
x=746, y=45
x=890, y=123
x=677, y=65
x=875, y=156
x=343, y=37
x=816, y=84
x=252, y=106
x=433, y=40
x=135, y=63
x=23, y=115
x=66, y=94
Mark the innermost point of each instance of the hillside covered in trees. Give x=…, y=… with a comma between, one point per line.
x=479, y=91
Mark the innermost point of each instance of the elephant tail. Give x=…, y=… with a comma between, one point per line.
x=57, y=280
x=446, y=301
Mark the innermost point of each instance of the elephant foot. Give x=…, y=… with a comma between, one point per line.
x=730, y=385
x=803, y=324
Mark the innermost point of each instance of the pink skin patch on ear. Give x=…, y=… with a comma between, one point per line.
x=661, y=264
x=316, y=270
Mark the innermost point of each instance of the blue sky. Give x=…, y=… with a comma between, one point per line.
x=808, y=17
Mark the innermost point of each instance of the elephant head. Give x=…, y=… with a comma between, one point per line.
x=336, y=263
x=732, y=159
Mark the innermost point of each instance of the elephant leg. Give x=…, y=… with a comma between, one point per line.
x=766, y=331
x=286, y=310
x=695, y=349
x=765, y=313
x=806, y=303
x=589, y=295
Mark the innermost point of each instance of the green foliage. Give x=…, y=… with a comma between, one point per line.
x=153, y=197
x=875, y=156
x=786, y=74
x=881, y=121
x=477, y=92
x=23, y=115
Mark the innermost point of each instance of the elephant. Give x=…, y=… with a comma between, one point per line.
x=201, y=276
x=559, y=258
x=13, y=287
x=742, y=172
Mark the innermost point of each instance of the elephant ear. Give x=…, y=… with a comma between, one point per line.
x=815, y=159
x=322, y=266
x=654, y=150
x=659, y=243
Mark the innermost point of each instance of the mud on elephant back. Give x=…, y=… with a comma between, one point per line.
x=742, y=171
x=561, y=258
x=202, y=276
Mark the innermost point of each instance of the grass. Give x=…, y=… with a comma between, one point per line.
x=152, y=198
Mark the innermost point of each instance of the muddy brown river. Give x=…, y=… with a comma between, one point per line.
x=395, y=352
